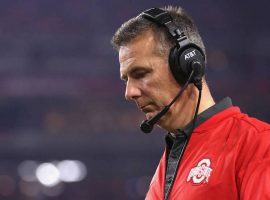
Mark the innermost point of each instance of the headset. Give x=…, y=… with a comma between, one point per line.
x=184, y=56
x=186, y=61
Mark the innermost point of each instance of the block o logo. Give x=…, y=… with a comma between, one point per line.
x=201, y=172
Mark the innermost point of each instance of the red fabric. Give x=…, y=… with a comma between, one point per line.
x=238, y=150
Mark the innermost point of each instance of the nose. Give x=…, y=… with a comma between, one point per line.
x=132, y=91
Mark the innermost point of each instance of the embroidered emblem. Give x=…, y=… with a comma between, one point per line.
x=201, y=172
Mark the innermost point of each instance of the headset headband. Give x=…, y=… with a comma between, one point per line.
x=163, y=18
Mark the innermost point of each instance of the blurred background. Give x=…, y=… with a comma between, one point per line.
x=66, y=131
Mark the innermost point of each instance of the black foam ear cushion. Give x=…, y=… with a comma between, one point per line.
x=187, y=59
x=180, y=62
x=175, y=66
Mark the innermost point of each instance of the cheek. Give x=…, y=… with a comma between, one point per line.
x=157, y=93
x=164, y=91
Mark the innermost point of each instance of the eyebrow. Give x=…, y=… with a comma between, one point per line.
x=123, y=77
x=133, y=70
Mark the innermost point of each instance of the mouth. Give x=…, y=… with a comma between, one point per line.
x=146, y=108
x=149, y=110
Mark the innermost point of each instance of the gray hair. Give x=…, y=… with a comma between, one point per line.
x=138, y=25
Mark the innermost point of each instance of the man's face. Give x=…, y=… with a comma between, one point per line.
x=149, y=82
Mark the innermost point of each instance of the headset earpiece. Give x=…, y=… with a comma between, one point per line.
x=185, y=56
x=174, y=66
x=181, y=61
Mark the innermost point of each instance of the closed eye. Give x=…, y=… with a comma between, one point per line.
x=138, y=73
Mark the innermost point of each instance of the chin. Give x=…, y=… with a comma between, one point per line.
x=163, y=123
x=150, y=115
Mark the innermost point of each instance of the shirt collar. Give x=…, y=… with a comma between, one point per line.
x=202, y=117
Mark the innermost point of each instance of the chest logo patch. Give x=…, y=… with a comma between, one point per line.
x=200, y=173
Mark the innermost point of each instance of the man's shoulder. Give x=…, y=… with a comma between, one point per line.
x=247, y=133
x=251, y=124
x=252, y=147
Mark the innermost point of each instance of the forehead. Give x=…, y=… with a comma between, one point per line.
x=137, y=51
x=143, y=44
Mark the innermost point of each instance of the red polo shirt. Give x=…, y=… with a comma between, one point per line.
x=227, y=157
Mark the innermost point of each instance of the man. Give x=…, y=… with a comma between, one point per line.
x=220, y=153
